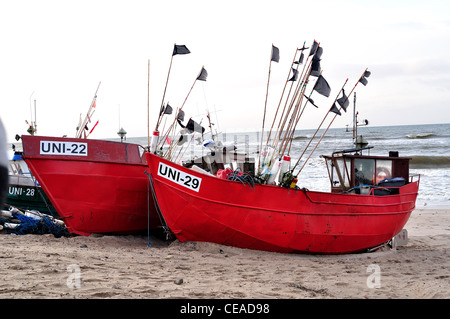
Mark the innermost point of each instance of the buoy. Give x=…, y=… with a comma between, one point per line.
x=274, y=171
x=58, y=222
x=14, y=210
x=10, y=225
x=33, y=215
x=267, y=157
x=285, y=165
x=7, y=214
x=294, y=183
x=154, y=142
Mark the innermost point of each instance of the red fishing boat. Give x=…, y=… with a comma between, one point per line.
x=353, y=217
x=96, y=186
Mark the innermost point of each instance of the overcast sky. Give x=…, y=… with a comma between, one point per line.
x=57, y=52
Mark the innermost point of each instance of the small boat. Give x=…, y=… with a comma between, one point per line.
x=96, y=186
x=201, y=207
x=24, y=191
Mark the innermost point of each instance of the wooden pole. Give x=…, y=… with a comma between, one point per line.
x=299, y=89
x=296, y=122
x=328, y=124
x=323, y=134
x=148, y=106
x=264, y=114
x=164, y=94
x=176, y=115
x=298, y=96
x=281, y=98
x=88, y=114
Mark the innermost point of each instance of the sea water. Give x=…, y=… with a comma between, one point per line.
x=428, y=146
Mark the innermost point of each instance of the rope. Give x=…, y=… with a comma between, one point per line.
x=158, y=210
x=244, y=178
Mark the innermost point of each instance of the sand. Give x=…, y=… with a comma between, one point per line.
x=42, y=266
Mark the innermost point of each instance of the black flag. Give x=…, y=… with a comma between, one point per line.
x=166, y=110
x=180, y=49
x=315, y=64
x=183, y=139
x=192, y=127
x=315, y=67
x=303, y=48
x=294, y=76
x=300, y=60
x=310, y=100
x=322, y=86
x=275, y=54
x=313, y=48
x=334, y=109
x=203, y=75
x=343, y=101
x=181, y=124
x=180, y=115
x=363, y=79
x=318, y=53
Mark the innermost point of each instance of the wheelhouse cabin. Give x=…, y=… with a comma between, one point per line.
x=351, y=172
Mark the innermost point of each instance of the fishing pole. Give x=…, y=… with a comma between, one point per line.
x=148, y=106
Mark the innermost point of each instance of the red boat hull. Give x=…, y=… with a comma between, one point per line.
x=96, y=186
x=273, y=218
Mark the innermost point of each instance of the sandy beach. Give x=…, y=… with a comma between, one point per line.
x=42, y=266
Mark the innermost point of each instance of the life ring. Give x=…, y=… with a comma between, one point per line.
x=382, y=174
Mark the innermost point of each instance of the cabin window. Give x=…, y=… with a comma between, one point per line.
x=340, y=171
x=364, y=171
x=383, y=170
x=15, y=168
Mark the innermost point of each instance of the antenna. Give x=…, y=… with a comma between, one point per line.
x=32, y=125
x=121, y=131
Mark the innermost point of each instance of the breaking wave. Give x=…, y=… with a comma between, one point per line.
x=420, y=136
x=430, y=161
x=301, y=137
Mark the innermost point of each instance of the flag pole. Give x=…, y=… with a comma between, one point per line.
x=264, y=114
x=176, y=116
x=88, y=114
x=148, y=106
x=164, y=94
x=328, y=125
x=316, y=133
x=281, y=98
x=317, y=130
x=298, y=95
x=299, y=89
x=297, y=120
x=295, y=117
x=278, y=107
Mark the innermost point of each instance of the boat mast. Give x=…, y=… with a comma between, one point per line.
x=90, y=112
x=355, y=133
